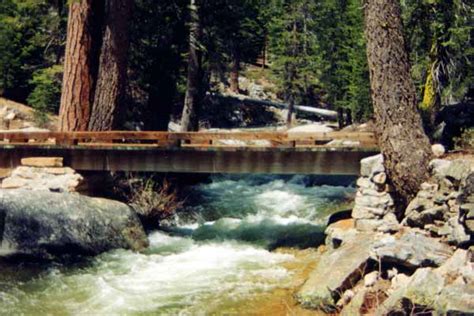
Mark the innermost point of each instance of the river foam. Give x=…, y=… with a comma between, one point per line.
x=216, y=257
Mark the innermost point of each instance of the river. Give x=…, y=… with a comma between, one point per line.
x=219, y=256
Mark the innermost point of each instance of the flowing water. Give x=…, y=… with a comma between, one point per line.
x=215, y=258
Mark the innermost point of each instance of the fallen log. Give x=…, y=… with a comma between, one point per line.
x=327, y=114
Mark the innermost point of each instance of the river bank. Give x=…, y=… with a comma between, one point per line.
x=391, y=261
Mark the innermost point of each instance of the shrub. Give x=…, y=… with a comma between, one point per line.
x=46, y=95
x=466, y=140
x=152, y=201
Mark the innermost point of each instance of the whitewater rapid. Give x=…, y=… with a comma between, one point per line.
x=217, y=255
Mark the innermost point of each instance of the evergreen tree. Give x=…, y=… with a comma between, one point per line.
x=356, y=68
x=296, y=62
x=233, y=35
x=31, y=39
x=442, y=51
x=192, y=101
x=331, y=61
x=316, y=52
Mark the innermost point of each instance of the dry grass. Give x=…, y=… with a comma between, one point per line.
x=153, y=201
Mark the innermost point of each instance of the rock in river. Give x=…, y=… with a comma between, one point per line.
x=337, y=271
x=58, y=223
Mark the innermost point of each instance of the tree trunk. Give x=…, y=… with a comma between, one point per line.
x=110, y=91
x=348, y=119
x=189, y=118
x=340, y=117
x=292, y=76
x=234, y=73
x=291, y=111
x=405, y=147
x=264, y=51
x=80, y=65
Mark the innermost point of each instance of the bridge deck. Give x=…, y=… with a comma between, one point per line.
x=283, y=153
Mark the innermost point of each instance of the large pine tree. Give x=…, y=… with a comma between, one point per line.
x=112, y=77
x=80, y=66
x=189, y=118
x=405, y=147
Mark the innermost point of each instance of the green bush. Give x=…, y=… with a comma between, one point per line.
x=466, y=140
x=46, y=95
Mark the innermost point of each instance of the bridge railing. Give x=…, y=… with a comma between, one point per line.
x=191, y=139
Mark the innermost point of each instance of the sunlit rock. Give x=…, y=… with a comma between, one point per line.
x=57, y=179
x=337, y=271
x=411, y=250
x=438, y=150
x=371, y=166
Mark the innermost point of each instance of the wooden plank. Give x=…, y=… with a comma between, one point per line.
x=228, y=136
x=118, y=145
x=195, y=139
x=330, y=135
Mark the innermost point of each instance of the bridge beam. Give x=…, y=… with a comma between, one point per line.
x=190, y=160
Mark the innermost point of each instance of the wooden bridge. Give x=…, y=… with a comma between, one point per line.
x=232, y=152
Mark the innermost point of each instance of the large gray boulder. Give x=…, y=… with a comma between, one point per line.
x=43, y=223
x=337, y=270
x=411, y=250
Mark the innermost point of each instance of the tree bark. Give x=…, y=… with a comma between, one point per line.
x=404, y=145
x=292, y=76
x=291, y=111
x=189, y=118
x=264, y=51
x=80, y=65
x=110, y=92
x=234, y=71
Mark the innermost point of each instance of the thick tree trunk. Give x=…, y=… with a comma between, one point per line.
x=405, y=147
x=80, y=65
x=189, y=118
x=110, y=90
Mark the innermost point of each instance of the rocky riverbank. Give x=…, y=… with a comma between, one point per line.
x=382, y=262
